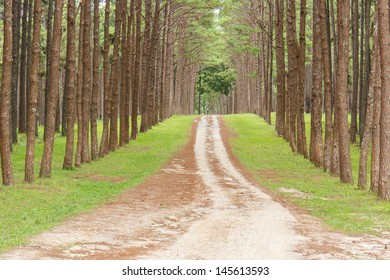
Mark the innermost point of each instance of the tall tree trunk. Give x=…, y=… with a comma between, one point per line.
x=86, y=87
x=280, y=61
x=367, y=134
x=29, y=53
x=384, y=45
x=106, y=76
x=115, y=71
x=301, y=136
x=5, y=97
x=327, y=72
x=146, y=54
x=343, y=23
x=70, y=84
x=79, y=89
x=129, y=68
x=154, y=42
x=33, y=96
x=316, y=148
x=355, y=67
x=49, y=34
x=53, y=93
x=16, y=13
x=23, y=64
x=124, y=60
x=292, y=71
x=95, y=83
x=136, y=87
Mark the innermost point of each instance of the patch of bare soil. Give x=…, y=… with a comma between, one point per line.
x=201, y=205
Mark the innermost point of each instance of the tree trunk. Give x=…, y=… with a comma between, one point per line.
x=343, y=23
x=33, y=96
x=23, y=64
x=316, y=148
x=384, y=45
x=53, y=92
x=106, y=70
x=78, y=89
x=367, y=134
x=70, y=84
x=95, y=83
x=114, y=84
x=86, y=87
x=16, y=13
x=136, y=87
x=123, y=89
x=327, y=72
x=301, y=53
x=292, y=71
x=49, y=34
x=280, y=61
x=355, y=63
x=146, y=60
x=129, y=68
x=5, y=97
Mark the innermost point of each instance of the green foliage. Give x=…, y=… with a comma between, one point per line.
x=211, y=82
x=28, y=209
x=271, y=162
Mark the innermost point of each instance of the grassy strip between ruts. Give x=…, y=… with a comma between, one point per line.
x=27, y=209
x=270, y=160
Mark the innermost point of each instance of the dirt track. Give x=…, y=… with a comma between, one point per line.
x=201, y=205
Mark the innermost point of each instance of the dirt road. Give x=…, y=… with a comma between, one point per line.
x=200, y=205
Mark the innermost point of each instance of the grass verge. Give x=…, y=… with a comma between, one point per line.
x=270, y=160
x=28, y=209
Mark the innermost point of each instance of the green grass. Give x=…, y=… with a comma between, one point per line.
x=273, y=165
x=28, y=209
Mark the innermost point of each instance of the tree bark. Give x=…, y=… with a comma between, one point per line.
x=114, y=84
x=5, y=97
x=95, y=82
x=301, y=53
x=280, y=62
x=33, y=96
x=367, y=134
x=49, y=34
x=384, y=45
x=86, y=86
x=16, y=13
x=106, y=75
x=23, y=64
x=79, y=89
x=355, y=67
x=136, y=87
x=70, y=84
x=292, y=72
x=327, y=73
x=343, y=24
x=123, y=89
x=316, y=146
x=53, y=92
